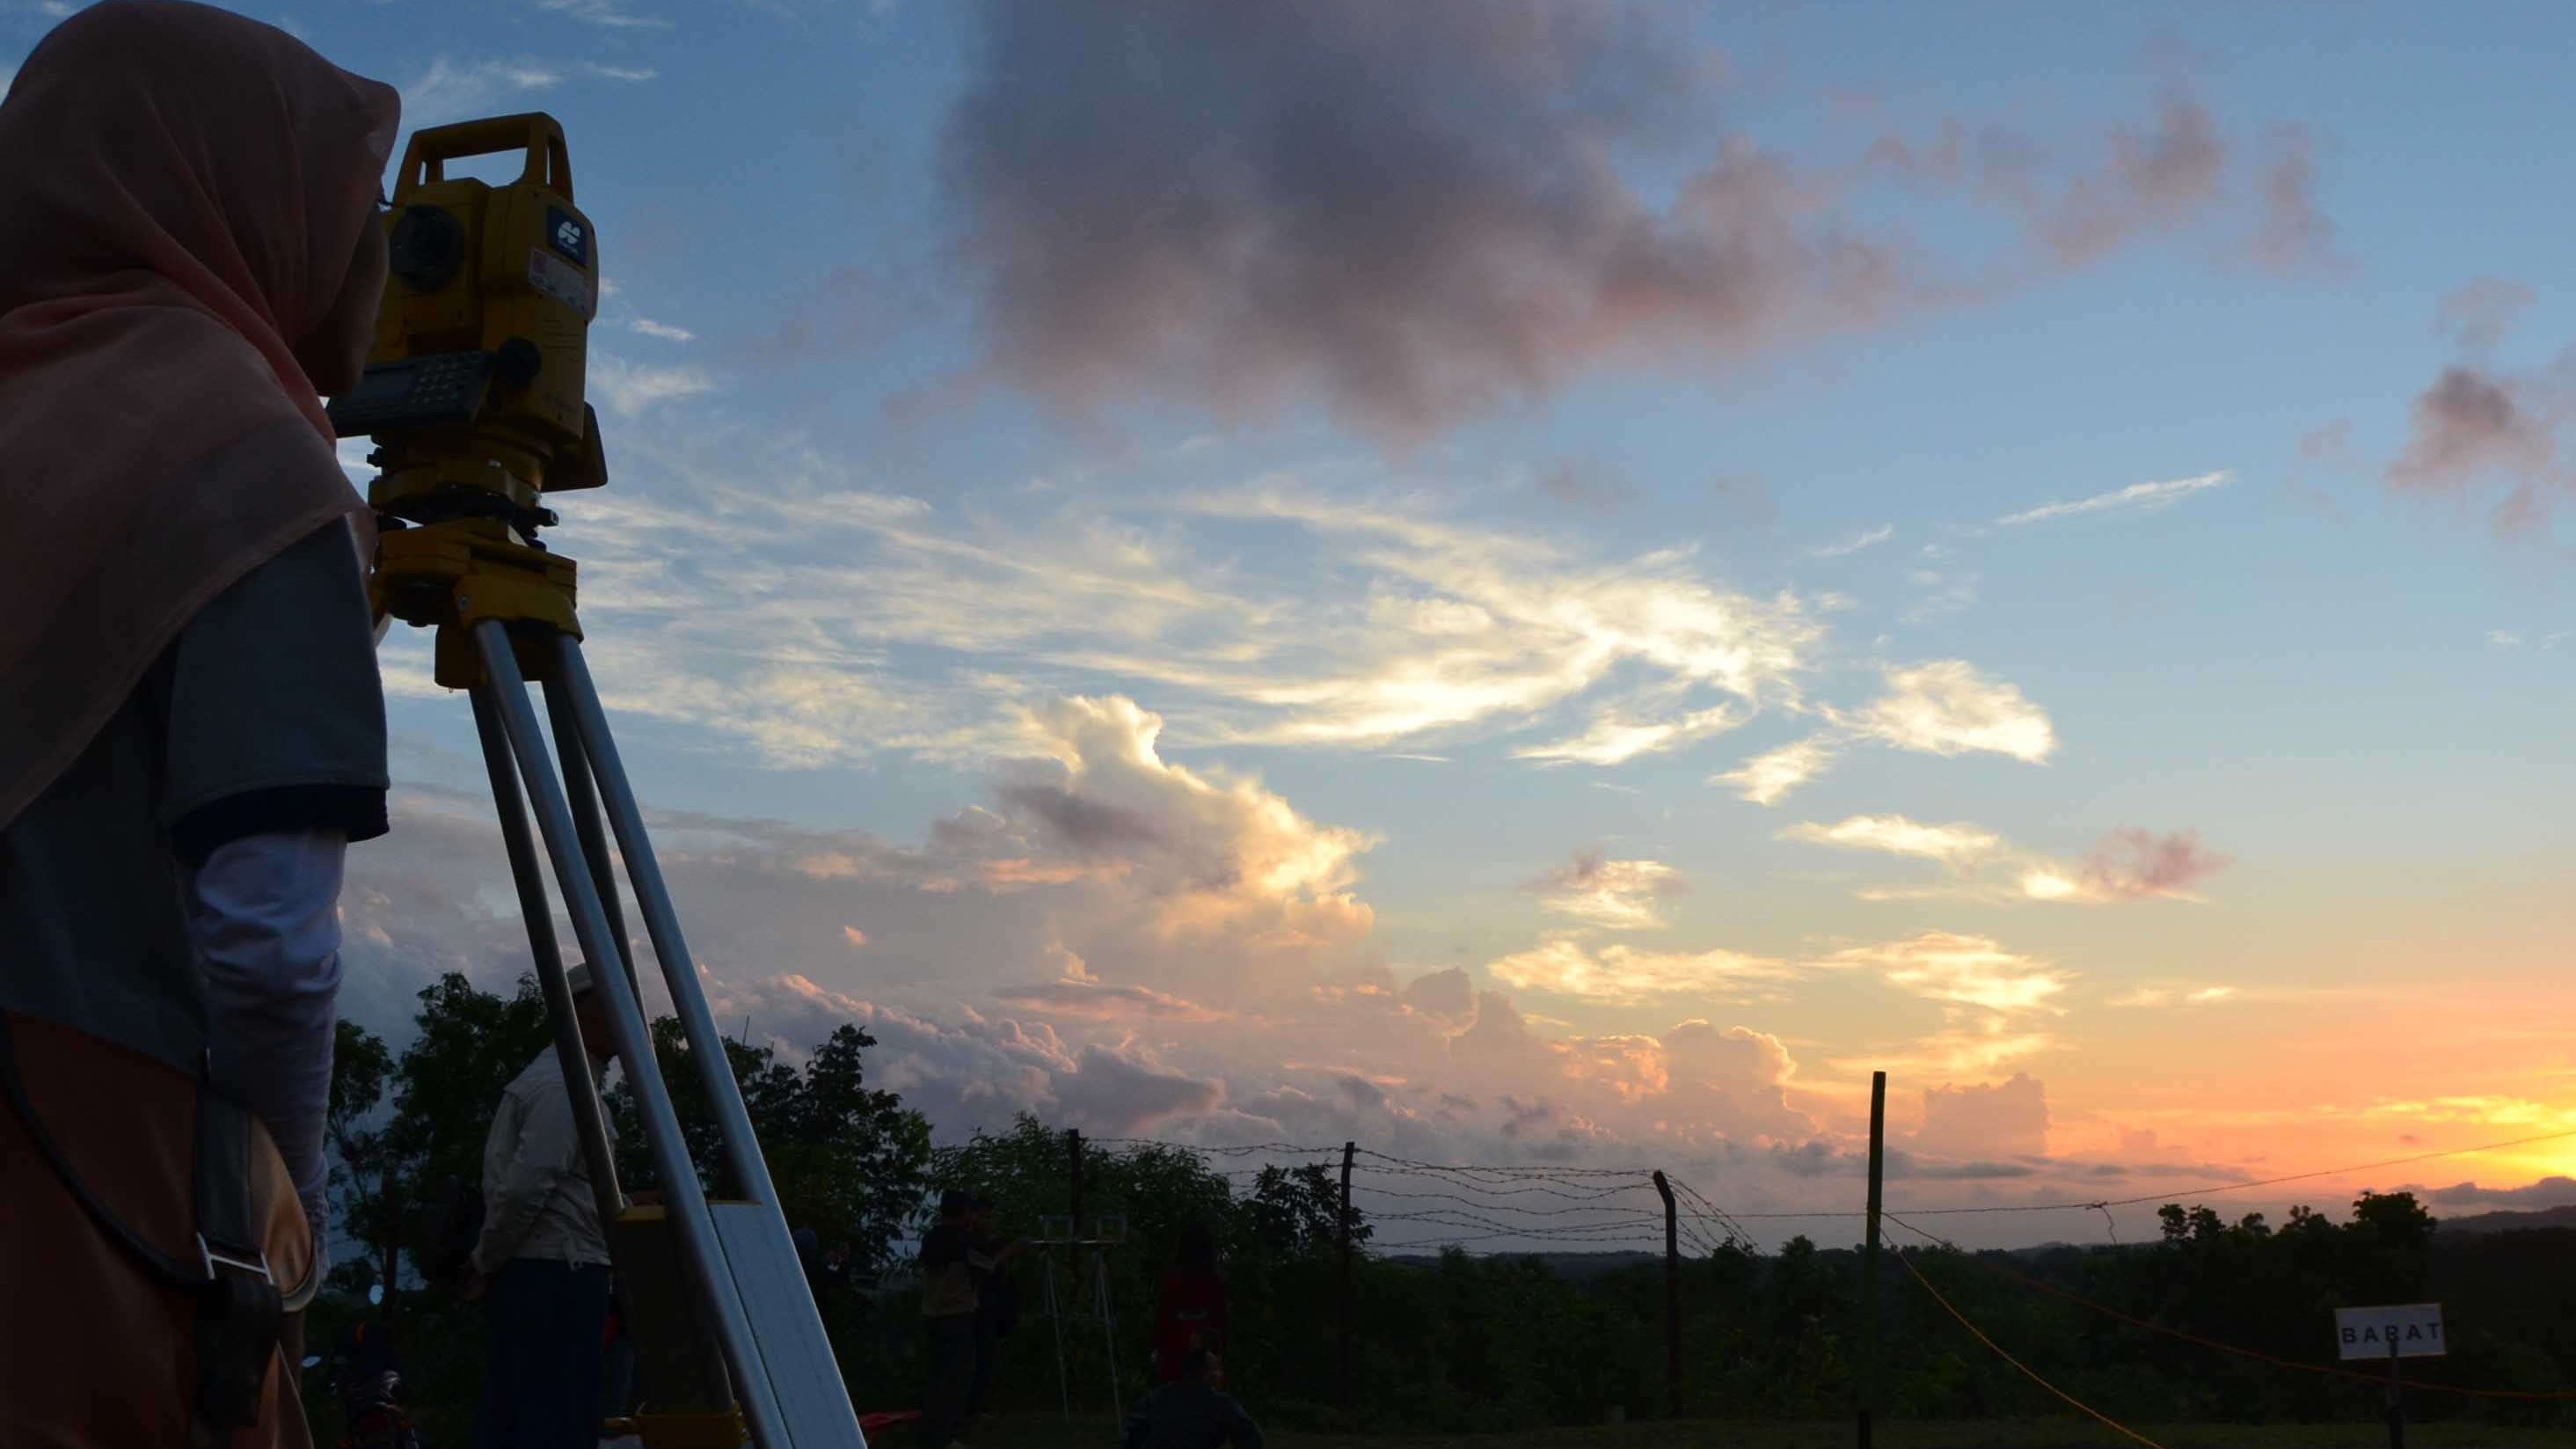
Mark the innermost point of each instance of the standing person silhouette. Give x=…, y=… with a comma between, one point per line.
x=1189, y=1312
x=192, y=728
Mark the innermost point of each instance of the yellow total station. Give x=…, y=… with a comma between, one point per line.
x=474, y=392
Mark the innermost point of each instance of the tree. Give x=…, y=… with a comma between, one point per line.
x=1293, y=1212
x=365, y=1173
x=847, y=1160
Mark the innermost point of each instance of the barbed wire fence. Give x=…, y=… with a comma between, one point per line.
x=1432, y=1207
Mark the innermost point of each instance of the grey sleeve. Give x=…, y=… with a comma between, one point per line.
x=276, y=710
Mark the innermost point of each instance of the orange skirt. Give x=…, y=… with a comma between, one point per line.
x=96, y=1352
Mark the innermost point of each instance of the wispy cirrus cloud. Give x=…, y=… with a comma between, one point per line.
x=451, y=89
x=1868, y=538
x=1767, y=778
x=2154, y=997
x=1617, y=894
x=2129, y=864
x=611, y=14
x=2136, y=498
x=1961, y=847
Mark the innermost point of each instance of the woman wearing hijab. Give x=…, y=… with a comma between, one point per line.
x=191, y=724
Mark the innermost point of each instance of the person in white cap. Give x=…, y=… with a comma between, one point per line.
x=542, y=1261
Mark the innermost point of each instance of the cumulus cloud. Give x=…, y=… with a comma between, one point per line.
x=1947, y=708
x=2136, y=498
x=1993, y=1120
x=1618, y=894
x=611, y=14
x=1236, y=206
x=1625, y=975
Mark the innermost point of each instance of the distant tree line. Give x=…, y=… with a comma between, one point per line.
x=1460, y=1343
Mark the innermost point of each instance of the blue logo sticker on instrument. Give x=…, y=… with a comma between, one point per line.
x=568, y=234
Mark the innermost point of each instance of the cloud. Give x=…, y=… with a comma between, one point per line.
x=1103, y=1001
x=1614, y=738
x=1768, y=777
x=2129, y=864
x=1623, y=975
x=450, y=90
x=2293, y=233
x=1972, y=971
x=610, y=13
x=621, y=72
x=1994, y=1120
x=1869, y=538
x=2135, y=862
x=1235, y=207
x=2136, y=498
x=2160, y=996
x=2547, y=1192
x=1617, y=894
x=668, y=333
x=629, y=389
x=2157, y=178
x=2477, y=316
x=1960, y=847
x=1588, y=486
x=2471, y=423
x=1947, y=708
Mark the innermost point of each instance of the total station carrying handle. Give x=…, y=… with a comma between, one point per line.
x=542, y=136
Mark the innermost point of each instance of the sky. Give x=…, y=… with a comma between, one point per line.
x=1560, y=583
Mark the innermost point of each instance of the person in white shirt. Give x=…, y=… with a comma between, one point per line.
x=542, y=1263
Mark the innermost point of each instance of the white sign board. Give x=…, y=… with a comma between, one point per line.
x=2415, y=1328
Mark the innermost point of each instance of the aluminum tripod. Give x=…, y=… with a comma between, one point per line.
x=753, y=1305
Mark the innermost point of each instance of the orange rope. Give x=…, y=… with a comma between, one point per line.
x=2026, y=1372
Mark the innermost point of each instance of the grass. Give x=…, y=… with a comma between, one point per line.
x=1048, y=1431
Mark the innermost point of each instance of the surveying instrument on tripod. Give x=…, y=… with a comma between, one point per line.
x=474, y=397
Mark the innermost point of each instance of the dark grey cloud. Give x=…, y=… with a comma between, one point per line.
x=2469, y=423
x=1082, y=825
x=1415, y=214
x=1364, y=1094
x=2548, y=1192
x=1588, y=870
x=2135, y=862
x=2476, y=316
x=2292, y=233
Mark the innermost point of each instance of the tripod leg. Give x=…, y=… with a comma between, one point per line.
x=538, y=911
x=1109, y=1327
x=584, y=799
x=682, y=1196
x=1055, y=1320
x=662, y=926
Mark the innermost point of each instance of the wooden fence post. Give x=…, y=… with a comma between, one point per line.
x=1672, y=1300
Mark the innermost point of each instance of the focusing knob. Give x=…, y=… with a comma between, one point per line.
x=426, y=246
x=517, y=363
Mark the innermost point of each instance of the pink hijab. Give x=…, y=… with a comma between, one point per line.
x=183, y=192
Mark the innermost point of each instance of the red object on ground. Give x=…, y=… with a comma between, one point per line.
x=870, y=1423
